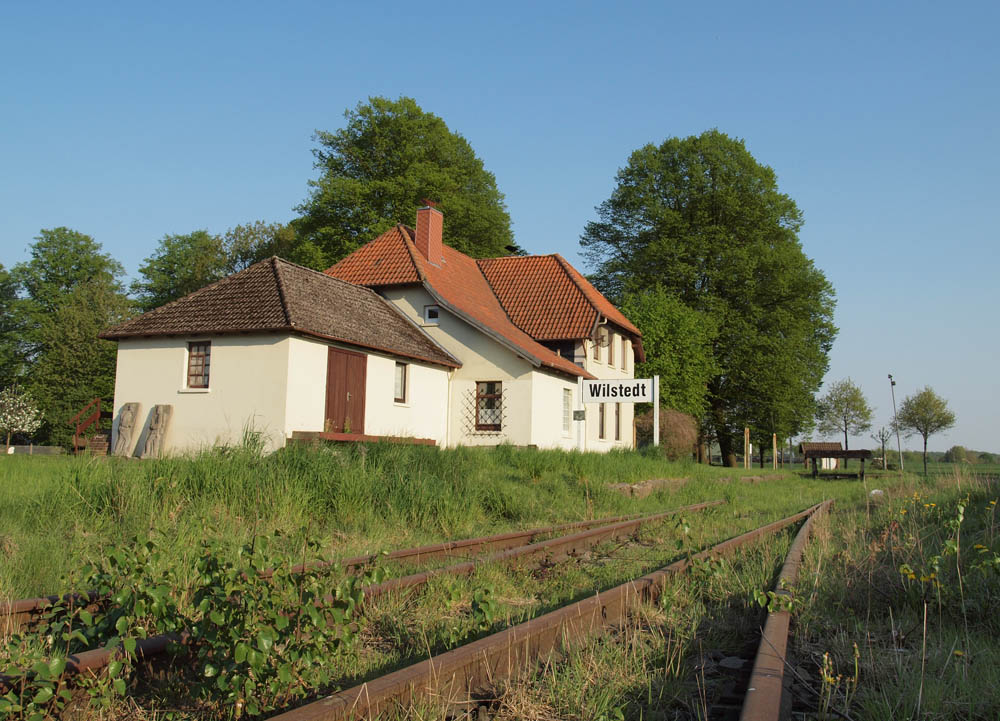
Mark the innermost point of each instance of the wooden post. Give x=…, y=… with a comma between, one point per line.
x=774, y=450
x=815, y=469
x=746, y=447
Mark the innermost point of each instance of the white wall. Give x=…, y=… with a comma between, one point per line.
x=424, y=414
x=547, y=411
x=483, y=359
x=247, y=388
x=600, y=369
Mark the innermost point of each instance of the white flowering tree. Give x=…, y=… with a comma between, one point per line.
x=18, y=413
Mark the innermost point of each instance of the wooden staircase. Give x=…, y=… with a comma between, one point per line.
x=99, y=442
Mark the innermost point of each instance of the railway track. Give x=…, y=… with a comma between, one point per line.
x=470, y=671
x=510, y=548
x=16, y=614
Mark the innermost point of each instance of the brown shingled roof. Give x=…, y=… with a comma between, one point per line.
x=458, y=283
x=276, y=295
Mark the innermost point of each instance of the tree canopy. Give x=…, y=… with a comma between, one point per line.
x=701, y=218
x=378, y=169
x=181, y=264
x=924, y=414
x=678, y=342
x=844, y=410
x=68, y=291
x=10, y=364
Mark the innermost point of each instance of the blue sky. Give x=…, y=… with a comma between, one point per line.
x=128, y=121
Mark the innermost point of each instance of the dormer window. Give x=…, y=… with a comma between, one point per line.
x=432, y=314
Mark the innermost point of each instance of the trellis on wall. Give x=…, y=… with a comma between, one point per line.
x=496, y=415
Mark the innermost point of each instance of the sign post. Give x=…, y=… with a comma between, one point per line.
x=656, y=410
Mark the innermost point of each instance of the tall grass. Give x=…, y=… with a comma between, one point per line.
x=55, y=512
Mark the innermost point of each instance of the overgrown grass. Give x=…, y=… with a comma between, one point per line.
x=56, y=512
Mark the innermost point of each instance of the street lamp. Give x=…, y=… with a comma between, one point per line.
x=895, y=421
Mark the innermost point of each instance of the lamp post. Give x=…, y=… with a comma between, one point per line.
x=895, y=421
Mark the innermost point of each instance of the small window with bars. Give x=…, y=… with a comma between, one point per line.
x=489, y=405
x=199, y=362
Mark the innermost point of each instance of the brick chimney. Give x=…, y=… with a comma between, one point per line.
x=430, y=223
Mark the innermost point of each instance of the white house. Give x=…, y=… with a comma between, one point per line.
x=406, y=337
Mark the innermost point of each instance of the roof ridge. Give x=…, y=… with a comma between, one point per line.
x=282, y=299
x=408, y=244
x=160, y=308
x=564, y=265
x=329, y=277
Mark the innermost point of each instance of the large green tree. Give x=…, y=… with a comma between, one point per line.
x=248, y=243
x=68, y=291
x=924, y=414
x=678, y=343
x=77, y=366
x=181, y=264
x=10, y=357
x=844, y=409
x=702, y=218
x=378, y=169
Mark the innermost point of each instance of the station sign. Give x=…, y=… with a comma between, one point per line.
x=627, y=390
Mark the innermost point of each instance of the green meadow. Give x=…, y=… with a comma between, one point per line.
x=908, y=577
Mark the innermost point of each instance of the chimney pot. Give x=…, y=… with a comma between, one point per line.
x=430, y=224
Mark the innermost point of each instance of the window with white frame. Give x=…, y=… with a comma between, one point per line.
x=399, y=393
x=611, y=349
x=618, y=421
x=624, y=353
x=432, y=314
x=600, y=421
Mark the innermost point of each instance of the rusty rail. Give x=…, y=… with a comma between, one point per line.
x=550, y=550
x=474, y=668
x=763, y=697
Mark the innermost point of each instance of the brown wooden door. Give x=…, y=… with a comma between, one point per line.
x=345, y=391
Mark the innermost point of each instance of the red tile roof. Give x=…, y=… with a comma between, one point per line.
x=549, y=298
x=384, y=261
x=276, y=295
x=457, y=282
x=540, y=297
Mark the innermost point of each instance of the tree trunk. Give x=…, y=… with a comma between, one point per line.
x=726, y=448
x=925, y=456
x=761, y=455
x=845, y=443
